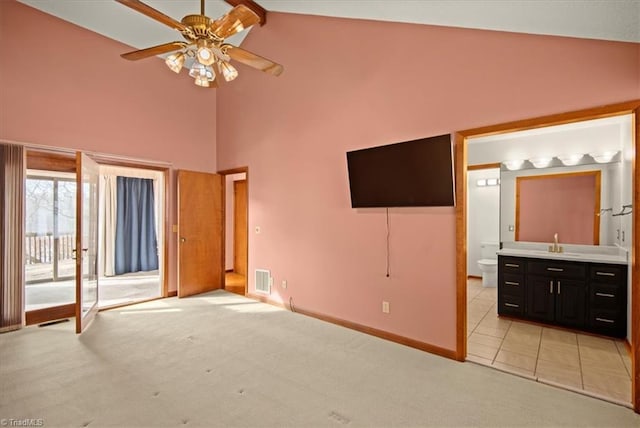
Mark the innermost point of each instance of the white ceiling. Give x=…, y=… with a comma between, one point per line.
x=593, y=19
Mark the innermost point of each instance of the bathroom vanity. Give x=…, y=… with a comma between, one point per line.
x=580, y=291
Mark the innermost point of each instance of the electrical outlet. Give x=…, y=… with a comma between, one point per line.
x=385, y=307
x=270, y=281
x=284, y=283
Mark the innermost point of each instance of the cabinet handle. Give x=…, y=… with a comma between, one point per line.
x=558, y=287
x=555, y=269
x=512, y=305
x=550, y=287
x=512, y=265
x=605, y=274
x=605, y=295
x=605, y=320
x=512, y=283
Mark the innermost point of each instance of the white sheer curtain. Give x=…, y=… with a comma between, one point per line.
x=108, y=232
x=12, y=182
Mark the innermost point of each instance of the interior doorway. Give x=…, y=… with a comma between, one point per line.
x=236, y=230
x=467, y=291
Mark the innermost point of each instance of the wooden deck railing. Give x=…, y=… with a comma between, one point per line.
x=42, y=248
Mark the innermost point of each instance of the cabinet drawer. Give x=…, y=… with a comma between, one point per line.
x=511, y=284
x=607, y=296
x=557, y=269
x=610, y=322
x=608, y=273
x=511, y=265
x=510, y=305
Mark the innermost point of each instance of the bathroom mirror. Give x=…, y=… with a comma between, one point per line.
x=576, y=202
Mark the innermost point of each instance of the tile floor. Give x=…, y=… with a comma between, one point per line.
x=587, y=364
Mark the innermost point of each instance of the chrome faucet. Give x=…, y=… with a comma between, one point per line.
x=555, y=248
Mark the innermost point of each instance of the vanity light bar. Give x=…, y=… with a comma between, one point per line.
x=566, y=160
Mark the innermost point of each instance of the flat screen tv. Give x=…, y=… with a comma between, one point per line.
x=417, y=173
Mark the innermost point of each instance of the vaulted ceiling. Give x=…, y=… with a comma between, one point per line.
x=617, y=20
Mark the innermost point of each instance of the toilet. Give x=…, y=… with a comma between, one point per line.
x=488, y=264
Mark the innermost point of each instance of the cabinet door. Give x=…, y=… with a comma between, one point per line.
x=540, y=298
x=570, y=302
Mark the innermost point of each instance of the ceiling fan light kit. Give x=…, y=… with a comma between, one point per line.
x=205, y=45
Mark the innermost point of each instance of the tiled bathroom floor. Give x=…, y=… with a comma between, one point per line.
x=588, y=364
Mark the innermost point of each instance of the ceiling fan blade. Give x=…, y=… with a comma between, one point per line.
x=153, y=51
x=152, y=13
x=236, y=20
x=253, y=60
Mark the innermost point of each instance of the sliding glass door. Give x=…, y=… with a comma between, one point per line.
x=50, y=220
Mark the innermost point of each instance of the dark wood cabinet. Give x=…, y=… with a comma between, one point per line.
x=511, y=284
x=608, y=299
x=580, y=295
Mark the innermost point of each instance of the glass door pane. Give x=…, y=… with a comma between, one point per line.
x=87, y=241
x=49, y=239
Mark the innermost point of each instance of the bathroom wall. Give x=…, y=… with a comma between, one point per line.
x=483, y=216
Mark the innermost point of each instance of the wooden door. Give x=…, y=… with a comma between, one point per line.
x=88, y=174
x=200, y=253
x=240, y=227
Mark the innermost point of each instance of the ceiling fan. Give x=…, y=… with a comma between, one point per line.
x=205, y=45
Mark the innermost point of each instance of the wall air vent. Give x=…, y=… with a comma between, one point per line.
x=263, y=281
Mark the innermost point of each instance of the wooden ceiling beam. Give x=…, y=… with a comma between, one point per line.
x=259, y=10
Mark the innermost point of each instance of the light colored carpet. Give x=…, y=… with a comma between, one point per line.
x=220, y=359
x=113, y=290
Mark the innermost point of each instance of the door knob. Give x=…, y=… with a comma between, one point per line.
x=183, y=239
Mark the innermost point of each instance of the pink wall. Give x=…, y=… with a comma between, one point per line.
x=350, y=84
x=557, y=204
x=79, y=94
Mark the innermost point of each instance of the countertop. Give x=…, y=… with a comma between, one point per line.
x=568, y=256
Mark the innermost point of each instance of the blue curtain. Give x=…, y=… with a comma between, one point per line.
x=136, y=242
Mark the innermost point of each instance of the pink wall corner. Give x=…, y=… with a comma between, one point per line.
x=79, y=94
x=351, y=84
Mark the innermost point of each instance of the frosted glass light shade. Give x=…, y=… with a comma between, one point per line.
x=570, y=160
x=228, y=71
x=175, y=62
x=513, y=165
x=540, y=162
x=603, y=157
